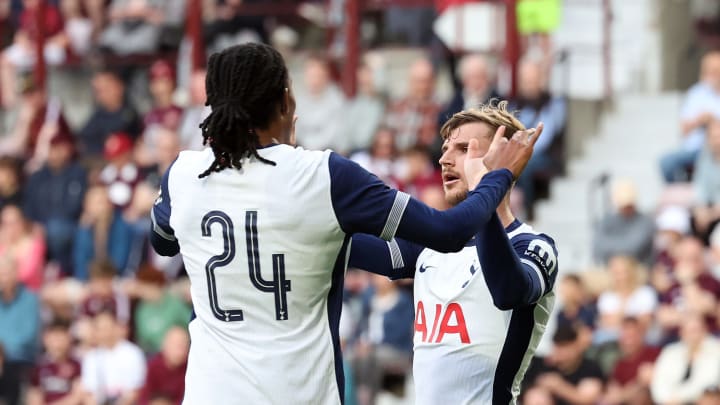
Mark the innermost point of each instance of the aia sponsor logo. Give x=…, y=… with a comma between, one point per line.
x=449, y=320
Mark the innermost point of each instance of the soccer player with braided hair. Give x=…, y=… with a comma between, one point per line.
x=264, y=230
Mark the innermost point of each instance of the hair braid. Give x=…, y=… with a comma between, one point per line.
x=245, y=84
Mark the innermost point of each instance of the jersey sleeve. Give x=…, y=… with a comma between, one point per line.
x=162, y=236
x=395, y=259
x=517, y=272
x=364, y=204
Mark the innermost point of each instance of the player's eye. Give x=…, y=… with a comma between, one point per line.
x=464, y=149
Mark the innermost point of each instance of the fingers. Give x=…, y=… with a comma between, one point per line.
x=473, y=149
x=499, y=135
x=536, y=135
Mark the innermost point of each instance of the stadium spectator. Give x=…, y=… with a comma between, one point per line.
x=417, y=172
x=32, y=112
x=55, y=379
x=19, y=58
x=386, y=349
x=691, y=289
x=114, y=371
x=10, y=182
x=19, y=326
x=364, y=111
x=625, y=231
x=700, y=108
x=164, y=112
x=477, y=88
x=137, y=26
x=671, y=224
x=227, y=25
x=536, y=104
x=577, y=308
x=157, y=311
x=567, y=374
x=166, y=370
x=113, y=113
x=627, y=296
x=194, y=114
x=53, y=198
x=715, y=252
x=631, y=376
x=24, y=244
x=381, y=158
x=320, y=108
x=706, y=182
x=102, y=294
x=102, y=234
x=686, y=368
x=167, y=147
x=121, y=174
x=414, y=116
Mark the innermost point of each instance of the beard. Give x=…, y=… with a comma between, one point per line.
x=455, y=197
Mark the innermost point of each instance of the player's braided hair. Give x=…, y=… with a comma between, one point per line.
x=245, y=85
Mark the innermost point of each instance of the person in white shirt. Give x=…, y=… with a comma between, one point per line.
x=114, y=371
x=685, y=369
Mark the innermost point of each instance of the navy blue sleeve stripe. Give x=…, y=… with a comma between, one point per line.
x=395, y=254
x=396, y=213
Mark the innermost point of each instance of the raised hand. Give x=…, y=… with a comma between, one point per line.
x=514, y=153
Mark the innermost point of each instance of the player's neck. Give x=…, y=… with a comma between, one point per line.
x=269, y=136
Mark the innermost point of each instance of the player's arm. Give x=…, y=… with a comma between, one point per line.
x=517, y=273
x=364, y=204
x=395, y=259
x=162, y=236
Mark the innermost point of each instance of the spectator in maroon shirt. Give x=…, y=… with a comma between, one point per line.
x=166, y=371
x=631, y=376
x=692, y=288
x=56, y=377
x=162, y=86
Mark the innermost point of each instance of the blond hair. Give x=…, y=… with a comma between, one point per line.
x=494, y=114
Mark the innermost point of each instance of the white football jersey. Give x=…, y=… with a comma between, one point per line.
x=467, y=351
x=265, y=250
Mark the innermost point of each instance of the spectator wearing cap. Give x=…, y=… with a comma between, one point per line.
x=166, y=370
x=671, y=224
x=158, y=310
x=113, y=113
x=625, y=231
x=53, y=198
x=685, y=369
x=164, y=112
x=102, y=234
x=121, y=174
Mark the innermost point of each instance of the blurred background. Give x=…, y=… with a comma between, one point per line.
x=97, y=97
